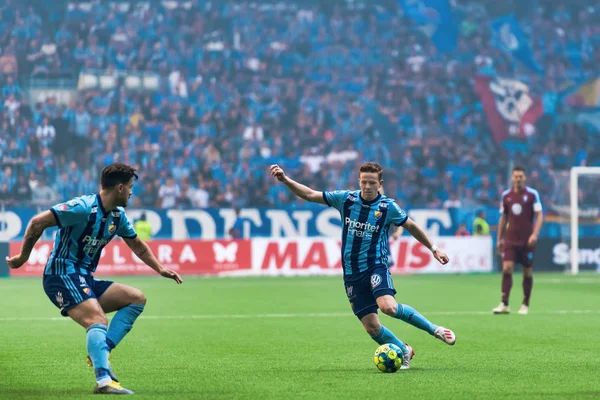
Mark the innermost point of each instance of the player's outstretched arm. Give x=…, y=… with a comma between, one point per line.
x=300, y=190
x=422, y=237
x=144, y=253
x=33, y=233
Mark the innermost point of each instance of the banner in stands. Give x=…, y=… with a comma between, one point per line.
x=315, y=221
x=555, y=255
x=3, y=255
x=188, y=257
x=210, y=224
x=302, y=256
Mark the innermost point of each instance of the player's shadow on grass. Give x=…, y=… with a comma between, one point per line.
x=45, y=393
x=361, y=370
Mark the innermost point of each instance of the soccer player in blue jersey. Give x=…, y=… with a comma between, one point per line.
x=86, y=224
x=366, y=218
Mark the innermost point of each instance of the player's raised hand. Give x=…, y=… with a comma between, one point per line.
x=168, y=273
x=441, y=257
x=15, y=261
x=277, y=172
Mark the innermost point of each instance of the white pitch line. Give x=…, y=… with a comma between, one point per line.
x=299, y=315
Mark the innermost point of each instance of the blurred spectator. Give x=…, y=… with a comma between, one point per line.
x=168, y=193
x=143, y=228
x=462, y=230
x=480, y=226
x=45, y=133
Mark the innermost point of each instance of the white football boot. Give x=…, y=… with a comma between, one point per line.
x=524, y=310
x=445, y=335
x=407, y=357
x=501, y=309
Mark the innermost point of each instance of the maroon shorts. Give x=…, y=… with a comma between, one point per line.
x=518, y=254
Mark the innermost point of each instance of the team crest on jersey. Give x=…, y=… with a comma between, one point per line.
x=71, y=204
x=375, y=280
x=112, y=228
x=378, y=214
x=87, y=290
x=525, y=198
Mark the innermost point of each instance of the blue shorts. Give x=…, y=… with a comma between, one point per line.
x=363, y=292
x=66, y=291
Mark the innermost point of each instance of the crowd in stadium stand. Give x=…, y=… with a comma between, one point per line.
x=317, y=88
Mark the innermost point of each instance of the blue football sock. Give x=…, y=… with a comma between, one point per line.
x=122, y=323
x=98, y=352
x=410, y=315
x=386, y=336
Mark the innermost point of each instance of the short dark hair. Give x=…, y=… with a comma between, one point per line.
x=115, y=174
x=371, y=167
x=519, y=168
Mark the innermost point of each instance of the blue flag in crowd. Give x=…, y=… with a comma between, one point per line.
x=510, y=38
x=436, y=19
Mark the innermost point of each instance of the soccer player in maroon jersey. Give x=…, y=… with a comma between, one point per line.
x=517, y=236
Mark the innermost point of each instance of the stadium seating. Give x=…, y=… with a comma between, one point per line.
x=318, y=88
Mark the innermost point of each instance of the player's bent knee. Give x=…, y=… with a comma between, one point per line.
x=388, y=309
x=387, y=305
x=508, y=268
x=138, y=297
x=372, y=328
x=95, y=319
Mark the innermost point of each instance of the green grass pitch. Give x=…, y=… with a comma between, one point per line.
x=296, y=338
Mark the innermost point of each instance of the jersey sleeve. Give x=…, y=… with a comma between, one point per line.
x=503, y=209
x=396, y=215
x=335, y=199
x=126, y=229
x=70, y=213
x=537, y=204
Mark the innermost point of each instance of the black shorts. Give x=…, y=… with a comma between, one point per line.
x=364, y=291
x=66, y=291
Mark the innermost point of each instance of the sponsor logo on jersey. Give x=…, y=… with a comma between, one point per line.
x=63, y=207
x=59, y=299
x=516, y=209
x=360, y=229
x=92, y=245
x=349, y=290
x=375, y=280
x=115, y=214
x=94, y=210
x=525, y=198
